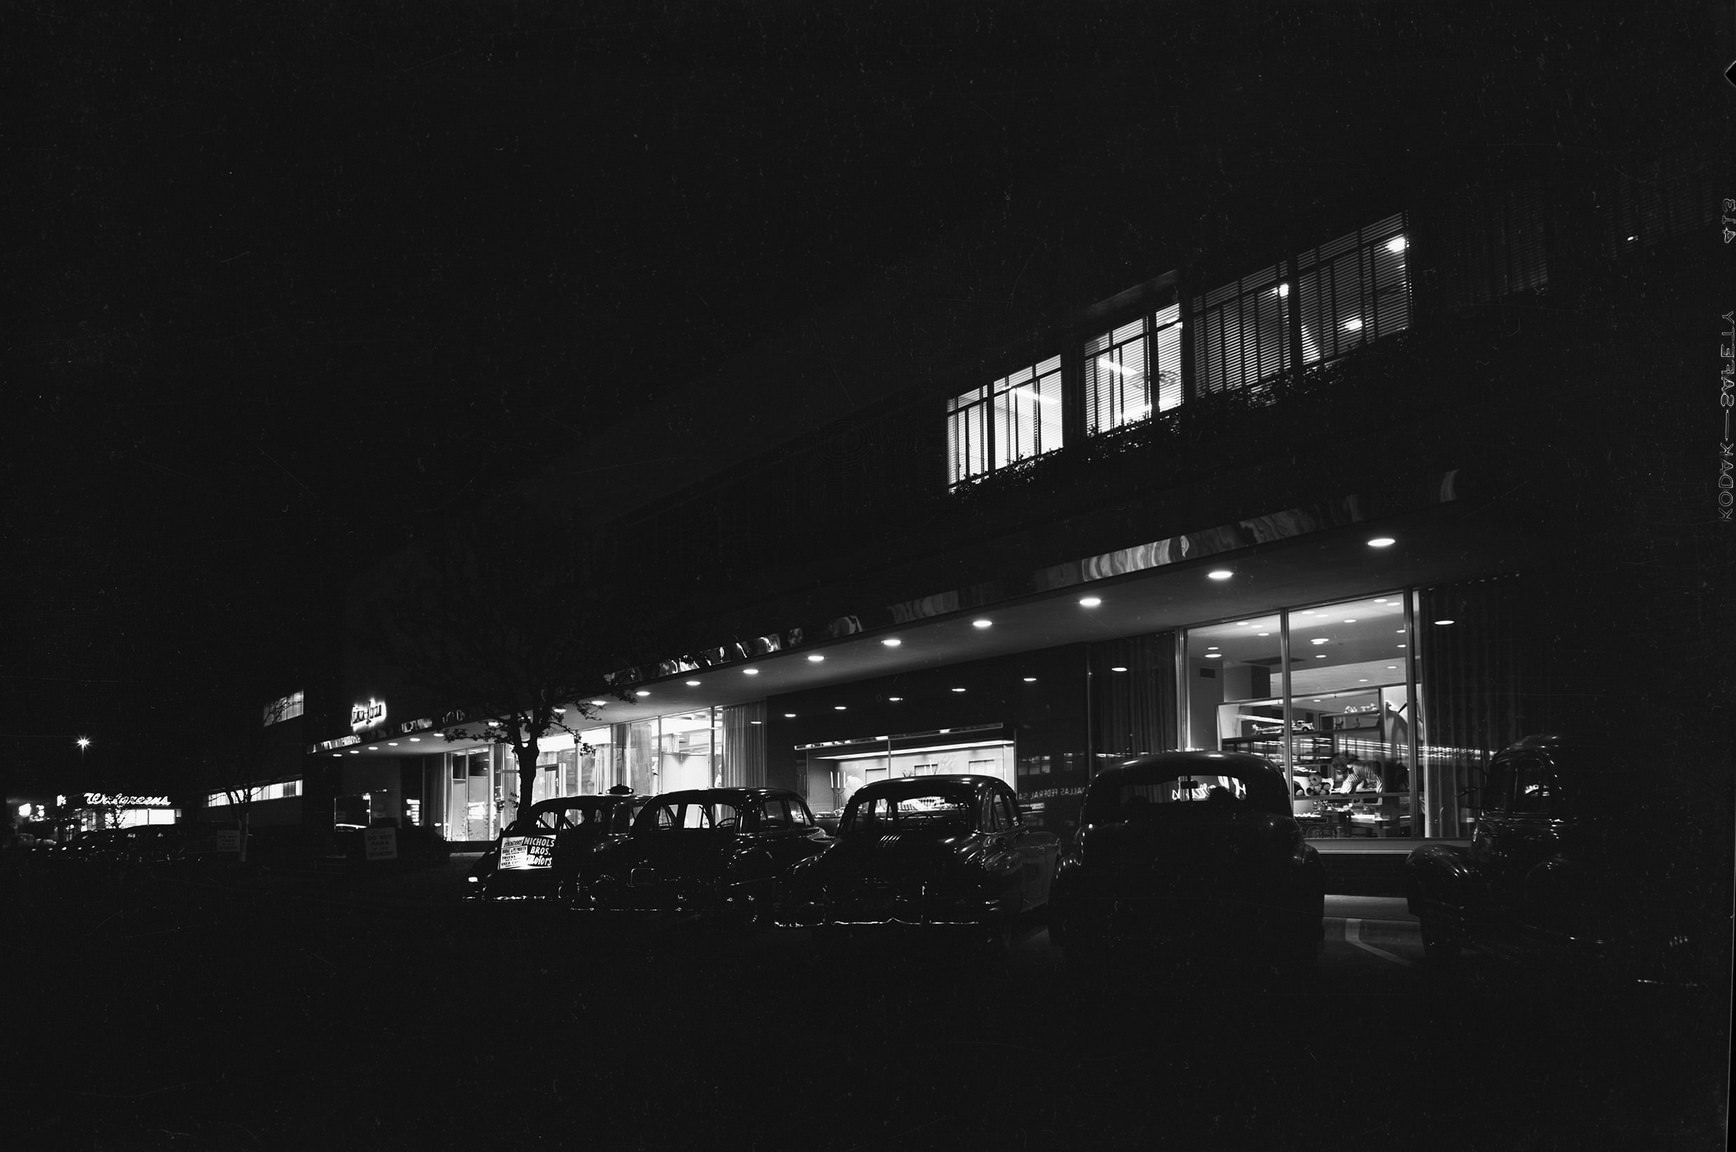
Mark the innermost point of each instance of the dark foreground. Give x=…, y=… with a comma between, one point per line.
x=272, y=1012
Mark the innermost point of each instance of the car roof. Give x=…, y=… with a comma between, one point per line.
x=560, y=803
x=731, y=795
x=919, y=784
x=1265, y=779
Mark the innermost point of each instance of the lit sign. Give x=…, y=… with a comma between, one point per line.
x=1349, y=708
x=284, y=708
x=367, y=715
x=103, y=800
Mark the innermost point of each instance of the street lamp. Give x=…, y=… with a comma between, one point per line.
x=83, y=743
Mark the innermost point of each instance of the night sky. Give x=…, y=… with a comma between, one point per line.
x=281, y=277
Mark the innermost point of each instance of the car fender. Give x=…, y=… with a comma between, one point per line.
x=1442, y=874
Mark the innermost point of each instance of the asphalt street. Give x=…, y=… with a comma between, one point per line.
x=382, y=1011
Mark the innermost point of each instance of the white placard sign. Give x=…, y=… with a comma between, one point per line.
x=381, y=843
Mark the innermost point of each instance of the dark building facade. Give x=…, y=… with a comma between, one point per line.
x=1380, y=485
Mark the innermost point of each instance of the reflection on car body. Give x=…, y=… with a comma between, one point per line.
x=709, y=852
x=1194, y=854
x=540, y=855
x=1569, y=871
x=925, y=851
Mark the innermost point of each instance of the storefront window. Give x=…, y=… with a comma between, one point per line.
x=1343, y=732
x=686, y=751
x=836, y=769
x=1235, y=694
x=1350, y=689
x=470, y=812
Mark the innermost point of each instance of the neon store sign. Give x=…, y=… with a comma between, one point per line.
x=368, y=714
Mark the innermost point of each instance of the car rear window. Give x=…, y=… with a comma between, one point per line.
x=1132, y=798
x=909, y=813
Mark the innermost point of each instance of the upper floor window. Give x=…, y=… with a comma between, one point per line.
x=1241, y=333
x=1133, y=371
x=1353, y=290
x=1015, y=418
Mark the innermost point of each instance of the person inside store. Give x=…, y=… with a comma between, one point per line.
x=1343, y=779
x=1364, y=777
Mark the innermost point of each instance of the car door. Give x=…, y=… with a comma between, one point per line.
x=788, y=831
x=1038, y=852
x=1003, y=862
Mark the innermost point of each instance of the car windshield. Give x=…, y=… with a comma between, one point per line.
x=924, y=812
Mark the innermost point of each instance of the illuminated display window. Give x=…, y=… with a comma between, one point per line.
x=281, y=790
x=1133, y=371
x=1018, y=417
x=1353, y=290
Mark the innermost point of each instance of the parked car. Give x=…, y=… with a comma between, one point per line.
x=1575, y=868
x=928, y=852
x=712, y=853
x=539, y=856
x=1191, y=855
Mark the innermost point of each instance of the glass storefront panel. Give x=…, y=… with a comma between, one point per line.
x=1350, y=695
x=1336, y=715
x=470, y=810
x=1235, y=691
x=686, y=750
x=836, y=769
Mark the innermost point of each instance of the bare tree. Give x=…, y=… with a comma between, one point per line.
x=515, y=616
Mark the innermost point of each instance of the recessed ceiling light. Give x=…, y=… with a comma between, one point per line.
x=693, y=683
x=391, y=743
x=355, y=752
x=1382, y=542
x=1241, y=624
x=1444, y=622
x=1350, y=620
x=815, y=658
x=1364, y=680
x=892, y=642
x=981, y=623
x=756, y=721
x=1030, y=679
x=1262, y=633
x=598, y=703
x=1318, y=640
x=958, y=689
x=750, y=671
x=1380, y=599
x=339, y=755
x=415, y=739
x=1214, y=655
x=1403, y=645
x=1392, y=667
x=789, y=715
x=642, y=692
x=1399, y=631
x=1322, y=656
x=1220, y=574
x=1119, y=668
x=838, y=707
x=895, y=699
x=371, y=748
x=1090, y=601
